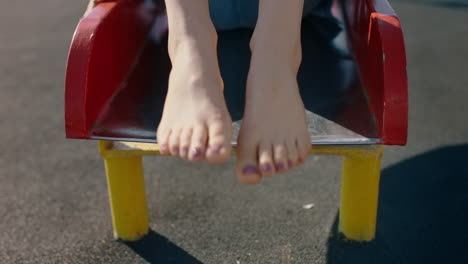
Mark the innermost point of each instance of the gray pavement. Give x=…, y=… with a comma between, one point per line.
x=53, y=197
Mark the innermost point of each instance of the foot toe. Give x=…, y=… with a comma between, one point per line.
x=293, y=153
x=219, y=145
x=163, y=141
x=174, y=141
x=265, y=160
x=198, y=144
x=246, y=168
x=185, y=140
x=304, y=146
x=250, y=174
x=281, y=157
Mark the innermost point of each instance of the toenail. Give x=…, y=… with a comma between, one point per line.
x=266, y=168
x=215, y=149
x=175, y=151
x=290, y=163
x=250, y=169
x=163, y=149
x=280, y=166
x=196, y=153
x=185, y=150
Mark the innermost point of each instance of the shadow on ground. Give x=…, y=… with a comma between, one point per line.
x=423, y=213
x=155, y=248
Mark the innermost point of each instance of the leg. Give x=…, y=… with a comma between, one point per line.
x=127, y=197
x=359, y=194
x=196, y=124
x=274, y=135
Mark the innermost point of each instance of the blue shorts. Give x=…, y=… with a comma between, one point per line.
x=234, y=14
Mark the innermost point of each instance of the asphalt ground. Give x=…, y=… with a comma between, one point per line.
x=53, y=197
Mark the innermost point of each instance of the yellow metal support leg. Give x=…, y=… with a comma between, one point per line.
x=360, y=193
x=359, y=189
x=127, y=196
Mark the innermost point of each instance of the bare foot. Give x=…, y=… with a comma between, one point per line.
x=196, y=124
x=274, y=135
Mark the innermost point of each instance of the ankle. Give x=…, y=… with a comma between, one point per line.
x=194, y=52
x=266, y=50
x=198, y=66
x=202, y=41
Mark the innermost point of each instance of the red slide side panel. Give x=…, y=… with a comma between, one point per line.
x=104, y=49
x=395, y=81
x=377, y=41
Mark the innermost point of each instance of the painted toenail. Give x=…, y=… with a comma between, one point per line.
x=266, y=168
x=280, y=166
x=185, y=150
x=290, y=163
x=250, y=170
x=197, y=153
x=175, y=151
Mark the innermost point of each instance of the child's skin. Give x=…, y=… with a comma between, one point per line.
x=196, y=124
